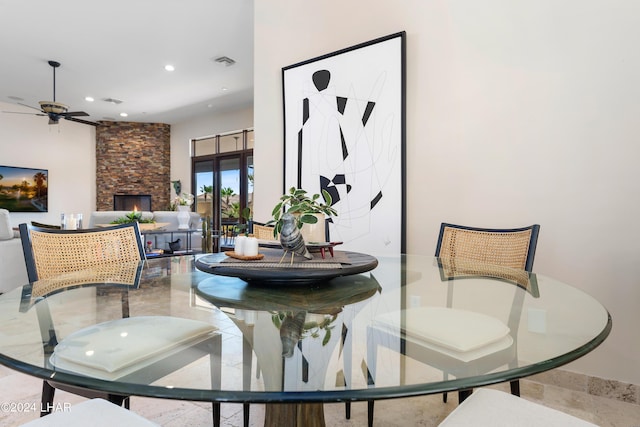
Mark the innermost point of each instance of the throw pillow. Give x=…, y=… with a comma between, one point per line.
x=6, y=232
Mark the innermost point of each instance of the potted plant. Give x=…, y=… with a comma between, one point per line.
x=306, y=208
x=134, y=216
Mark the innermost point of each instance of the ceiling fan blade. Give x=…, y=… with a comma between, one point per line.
x=86, y=122
x=29, y=106
x=22, y=112
x=75, y=113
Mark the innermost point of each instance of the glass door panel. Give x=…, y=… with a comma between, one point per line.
x=249, y=198
x=204, y=178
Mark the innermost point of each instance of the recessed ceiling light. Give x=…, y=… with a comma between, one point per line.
x=223, y=89
x=169, y=67
x=89, y=99
x=123, y=114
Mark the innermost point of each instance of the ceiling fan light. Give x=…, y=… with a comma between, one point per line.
x=53, y=107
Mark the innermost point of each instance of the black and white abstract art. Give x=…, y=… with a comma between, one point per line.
x=344, y=121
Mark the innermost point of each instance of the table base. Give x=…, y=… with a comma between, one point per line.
x=294, y=415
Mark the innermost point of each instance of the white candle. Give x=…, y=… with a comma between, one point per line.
x=250, y=246
x=239, y=245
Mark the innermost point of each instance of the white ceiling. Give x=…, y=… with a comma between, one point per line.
x=118, y=49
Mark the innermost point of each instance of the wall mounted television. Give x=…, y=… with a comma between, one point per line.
x=24, y=189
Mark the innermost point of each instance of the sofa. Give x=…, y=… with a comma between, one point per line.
x=12, y=266
x=159, y=241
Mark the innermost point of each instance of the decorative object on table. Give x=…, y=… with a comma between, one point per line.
x=238, y=245
x=234, y=255
x=344, y=115
x=183, y=217
x=245, y=248
x=134, y=216
x=183, y=206
x=175, y=245
x=291, y=239
x=250, y=246
x=306, y=209
x=303, y=272
x=24, y=189
x=322, y=247
x=71, y=221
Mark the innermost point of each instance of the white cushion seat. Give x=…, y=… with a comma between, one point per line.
x=119, y=347
x=93, y=412
x=461, y=334
x=494, y=408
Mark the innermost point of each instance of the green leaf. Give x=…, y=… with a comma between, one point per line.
x=327, y=197
x=276, y=210
x=327, y=337
x=308, y=219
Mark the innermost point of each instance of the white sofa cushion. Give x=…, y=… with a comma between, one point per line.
x=12, y=265
x=493, y=408
x=6, y=232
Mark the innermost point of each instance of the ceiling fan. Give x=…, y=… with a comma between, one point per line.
x=56, y=110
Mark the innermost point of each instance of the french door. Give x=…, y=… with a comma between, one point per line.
x=223, y=186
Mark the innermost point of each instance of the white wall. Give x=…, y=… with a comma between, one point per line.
x=207, y=125
x=67, y=150
x=517, y=113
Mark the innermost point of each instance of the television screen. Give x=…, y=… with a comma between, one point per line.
x=24, y=189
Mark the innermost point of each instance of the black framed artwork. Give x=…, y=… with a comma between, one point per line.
x=24, y=189
x=344, y=132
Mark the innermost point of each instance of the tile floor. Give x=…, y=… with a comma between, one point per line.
x=419, y=411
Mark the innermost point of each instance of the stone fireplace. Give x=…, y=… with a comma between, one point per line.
x=133, y=159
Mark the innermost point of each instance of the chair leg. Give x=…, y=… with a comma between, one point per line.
x=370, y=413
x=463, y=394
x=444, y=395
x=245, y=414
x=216, y=414
x=46, y=400
x=347, y=410
x=515, y=388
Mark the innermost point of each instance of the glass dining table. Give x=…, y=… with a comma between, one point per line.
x=198, y=328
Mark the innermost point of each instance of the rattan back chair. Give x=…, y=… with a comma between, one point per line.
x=50, y=252
x=111, y=257
x=263, y=232
x=483, y=252
x=504, y=247
x=513, y=248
